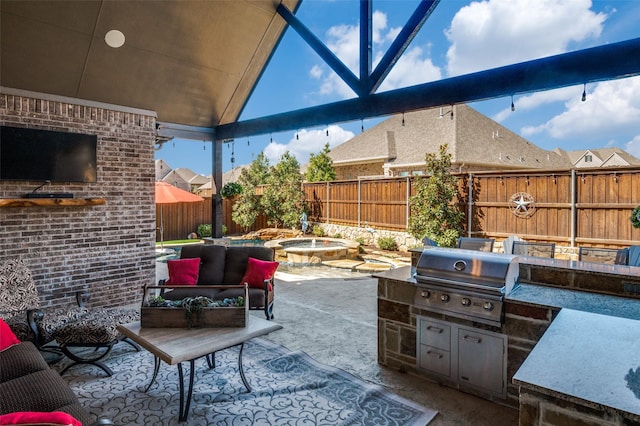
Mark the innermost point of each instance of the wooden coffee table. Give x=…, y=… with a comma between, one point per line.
x=177, y=345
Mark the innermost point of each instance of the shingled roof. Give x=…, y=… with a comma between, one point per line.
x=475, y=142
x=602, y=157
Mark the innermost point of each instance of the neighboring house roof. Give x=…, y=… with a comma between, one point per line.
x=474, y=140
x=195, y=179
x=602, y=157
x=229, y=176
x=175, y=179
x=233, y=174
x=162, y=169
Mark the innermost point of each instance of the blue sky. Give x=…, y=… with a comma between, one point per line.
x=460, y=37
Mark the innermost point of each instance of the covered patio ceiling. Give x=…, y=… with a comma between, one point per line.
x=195, y=63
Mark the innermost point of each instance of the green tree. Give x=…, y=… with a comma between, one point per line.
x=433, y=213
x=321, y=167
x=283, y=199
x=247, y=205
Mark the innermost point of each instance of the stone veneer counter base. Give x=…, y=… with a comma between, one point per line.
x=589, y=360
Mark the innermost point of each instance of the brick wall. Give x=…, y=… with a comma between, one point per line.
x=106, y=249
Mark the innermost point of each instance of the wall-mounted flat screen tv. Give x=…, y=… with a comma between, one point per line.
x=44, y=155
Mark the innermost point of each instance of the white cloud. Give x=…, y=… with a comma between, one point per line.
x=633, y=146
x=413, y=67
x=307, y=142
x=491, y=33
x=612, y=108
x=315, y=72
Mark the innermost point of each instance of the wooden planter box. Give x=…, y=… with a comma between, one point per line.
x=176, y=317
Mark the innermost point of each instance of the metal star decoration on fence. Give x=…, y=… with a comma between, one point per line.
x=522, y=204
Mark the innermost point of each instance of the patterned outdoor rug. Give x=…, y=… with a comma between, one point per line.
x=289, y=388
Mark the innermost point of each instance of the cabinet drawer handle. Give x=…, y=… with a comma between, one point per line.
x=437, y=355
x=472, y=338
x=436, y=329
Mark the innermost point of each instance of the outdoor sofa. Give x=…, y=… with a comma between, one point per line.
x=212, y=264
x=30, y=389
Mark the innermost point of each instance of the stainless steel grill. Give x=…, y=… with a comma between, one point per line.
x=465, y=283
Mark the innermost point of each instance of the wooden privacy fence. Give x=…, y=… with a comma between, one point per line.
x=572, y=207
x=181, y=219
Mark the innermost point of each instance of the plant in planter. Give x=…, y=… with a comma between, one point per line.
x=635, y=217
x=159, y=302
x=194, y=307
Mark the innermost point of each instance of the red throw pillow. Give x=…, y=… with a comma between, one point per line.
x=39, y=418
x=7, y=337
x=183, y=271
x=258, y=271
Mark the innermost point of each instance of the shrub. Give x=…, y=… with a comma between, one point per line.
x=231, y=189
x=360, y=240
x=204, y=230
x=387, y=243
x=318, y=231
x=337, y=235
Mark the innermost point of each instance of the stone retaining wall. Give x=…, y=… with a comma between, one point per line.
x=405, y=241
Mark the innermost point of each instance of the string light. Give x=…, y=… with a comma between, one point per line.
x=584, y=93
x=513, y=107
x=403, y=119
x=362, y=126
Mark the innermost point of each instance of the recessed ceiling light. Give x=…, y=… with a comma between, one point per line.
x=114, y=38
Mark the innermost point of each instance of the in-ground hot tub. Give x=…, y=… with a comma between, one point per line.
x=309, y=251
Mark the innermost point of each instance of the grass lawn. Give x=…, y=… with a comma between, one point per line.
x=178, y=242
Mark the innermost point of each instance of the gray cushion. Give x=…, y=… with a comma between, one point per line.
x=190, y=291
x=256, y=296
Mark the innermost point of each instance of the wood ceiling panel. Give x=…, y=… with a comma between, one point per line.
x=192, y=62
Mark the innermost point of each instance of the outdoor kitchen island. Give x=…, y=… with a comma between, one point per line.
x=529, y=311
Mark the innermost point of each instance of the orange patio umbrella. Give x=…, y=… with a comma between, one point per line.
x=169, y=194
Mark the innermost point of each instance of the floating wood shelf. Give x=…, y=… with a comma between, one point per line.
x=51, y=202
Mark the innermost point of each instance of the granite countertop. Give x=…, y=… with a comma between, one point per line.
x=577, y=300
x=589, y=357
x=576, y=265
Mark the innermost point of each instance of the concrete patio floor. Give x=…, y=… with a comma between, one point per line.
x=334, y=320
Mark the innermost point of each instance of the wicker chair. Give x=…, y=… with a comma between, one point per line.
x=55, y=331
x=524, y=248
x=479, y=244
x=604, y=255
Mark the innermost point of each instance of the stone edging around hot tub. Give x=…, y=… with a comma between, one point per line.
x=314, y=255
